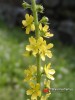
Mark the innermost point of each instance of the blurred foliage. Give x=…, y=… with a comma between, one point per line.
x=12, y=65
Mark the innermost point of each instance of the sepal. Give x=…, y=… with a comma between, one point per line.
x=26, y=5
x=39, y=8
x=44, y=20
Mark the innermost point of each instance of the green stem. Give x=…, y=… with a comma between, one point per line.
x=38, y=69
x=35, y=14
x=37, y=33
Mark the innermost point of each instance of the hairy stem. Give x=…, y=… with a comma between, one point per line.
x=37, y=33
x=35, y=14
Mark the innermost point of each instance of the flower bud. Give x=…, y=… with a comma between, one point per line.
x=26, y=5
x=39, y=8
x=44, y=20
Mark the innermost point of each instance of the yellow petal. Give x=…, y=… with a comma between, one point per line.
x=48, y=66
x=40, y=39
x=27, y=16
x=45, y=68
x=51, y=71
x=28, y=48
x=37, y=86
x=43, y=57
x=45, y=97
x=32, y=85
x=49, y=54
x=27, y=30
x=31, y=18
x=48, y=35
x=32, y=40
x=45, y=28
x=39, y=93
x=49, y=46
x=34, y=52
x=50, y=77
x=47, y=83
x=32, y=27
x=29, y=92
x=40, y=26
x=34, y=97
x=24, y=23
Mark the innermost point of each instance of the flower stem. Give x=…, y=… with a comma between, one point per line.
x=37, y=33
x=38, y=69
x=35, y=14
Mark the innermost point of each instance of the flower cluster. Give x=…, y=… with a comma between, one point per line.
x=39, y=48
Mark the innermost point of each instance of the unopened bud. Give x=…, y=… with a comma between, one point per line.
x=26, y=5
x=44, y=20
x=39, y=8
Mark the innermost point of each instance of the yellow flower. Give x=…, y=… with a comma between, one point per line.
x=33, y=46
x=49, y=72
x=39, y=46
x=45, y=50
x=45, y=97
x=28, y=23
x=34, y=91
x=45, y=30
x=29, y=73
x=47, y=83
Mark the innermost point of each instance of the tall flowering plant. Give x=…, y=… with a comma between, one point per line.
x=39, y=87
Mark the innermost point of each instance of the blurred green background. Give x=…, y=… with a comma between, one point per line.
x=12, y=45
x=12, y=65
